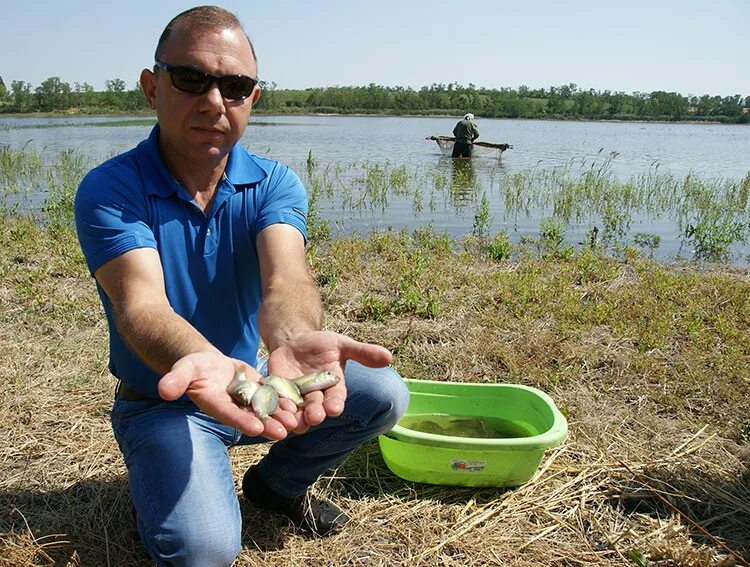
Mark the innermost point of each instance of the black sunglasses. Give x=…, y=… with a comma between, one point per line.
x=231, y=87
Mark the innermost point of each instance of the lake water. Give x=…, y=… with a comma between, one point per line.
x=345, y=150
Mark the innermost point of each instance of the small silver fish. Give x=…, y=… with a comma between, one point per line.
x=285, y=388
x=265, y=401
x=319, y=380
x=241, y=389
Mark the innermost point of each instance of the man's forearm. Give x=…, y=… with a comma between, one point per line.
x=289, y=309
x=159, y=336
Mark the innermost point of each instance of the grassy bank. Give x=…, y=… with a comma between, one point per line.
x=648, y=361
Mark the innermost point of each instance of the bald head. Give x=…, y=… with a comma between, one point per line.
x=201, y=19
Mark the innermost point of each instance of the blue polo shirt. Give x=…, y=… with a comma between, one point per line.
x=210, y=261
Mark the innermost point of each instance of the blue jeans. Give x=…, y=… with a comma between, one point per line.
x=179, y=472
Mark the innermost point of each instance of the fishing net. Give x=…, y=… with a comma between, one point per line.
x=481, y=149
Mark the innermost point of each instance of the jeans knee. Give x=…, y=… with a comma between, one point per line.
x=398, y=396
x=384, y=392
x=194, y=548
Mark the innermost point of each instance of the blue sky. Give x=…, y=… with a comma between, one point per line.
x=692, y=47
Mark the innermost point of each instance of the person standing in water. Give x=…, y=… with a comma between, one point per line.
x=465, y=132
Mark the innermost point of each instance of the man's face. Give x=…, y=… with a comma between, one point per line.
x=204, y=127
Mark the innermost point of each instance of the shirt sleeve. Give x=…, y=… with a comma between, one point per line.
x=282, y=199
x=111, y=216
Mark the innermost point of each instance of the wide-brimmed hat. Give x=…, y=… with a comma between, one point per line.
x=469, y=116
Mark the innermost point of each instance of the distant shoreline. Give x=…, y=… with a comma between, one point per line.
x=372, y=115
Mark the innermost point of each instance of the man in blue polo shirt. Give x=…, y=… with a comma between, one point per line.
x=197, y=248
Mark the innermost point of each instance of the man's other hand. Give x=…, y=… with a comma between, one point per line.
x=321, y=350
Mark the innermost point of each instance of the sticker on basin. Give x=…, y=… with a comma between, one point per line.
x=467, y=466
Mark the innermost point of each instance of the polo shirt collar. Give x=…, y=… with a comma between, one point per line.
x=242, y=169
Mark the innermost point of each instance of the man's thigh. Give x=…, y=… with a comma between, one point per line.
x=180, y=481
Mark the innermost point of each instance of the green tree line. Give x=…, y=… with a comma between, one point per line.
x=55, y=95
x=558, y=102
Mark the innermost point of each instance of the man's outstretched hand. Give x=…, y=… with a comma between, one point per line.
x=204, y=377
x=321, y=350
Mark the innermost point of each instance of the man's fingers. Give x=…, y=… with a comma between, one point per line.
x=320, y=404
x=286, y=418
x=314, y=412
x=302, y=427
x=242, y=419
x=175, y=382
x=374, y=356
x=334, y=405
x=334, y=399
x=287, y=405
x=273, y=429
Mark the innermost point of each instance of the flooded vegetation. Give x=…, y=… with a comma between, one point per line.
x=710, y=220
x=577, y=205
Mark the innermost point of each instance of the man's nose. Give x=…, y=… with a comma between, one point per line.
x=213, y=96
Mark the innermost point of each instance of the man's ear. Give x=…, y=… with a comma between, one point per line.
x=256, y=94
x=148, y=86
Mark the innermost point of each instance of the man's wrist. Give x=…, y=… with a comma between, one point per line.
x=283, y=337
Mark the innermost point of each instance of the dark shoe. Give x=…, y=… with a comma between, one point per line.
x=315, y=515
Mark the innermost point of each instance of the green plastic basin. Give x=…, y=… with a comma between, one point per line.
x=438, y=458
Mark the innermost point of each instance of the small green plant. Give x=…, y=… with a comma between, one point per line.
x=432, y=306
x=616, y=220
x=411, y=267
x=499, y=248
x=317, y=228
x=439, y=181
x=376, y=186
x=63, y=180
x=427, y=239
x=399, y=181
x=552, y=239
x=327, y=275
x=638, y=558
x=417, y=203
x=20, y=172
x=374, y=309
x=482, y=218
x=310, y=164
x=593, y=241
x=714, y=218
x=713, y=237
x=18, y=164
x=647, y=241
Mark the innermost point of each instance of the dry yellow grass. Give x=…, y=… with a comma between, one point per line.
x=64, y=496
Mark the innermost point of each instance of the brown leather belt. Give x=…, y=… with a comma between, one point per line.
x=125, y=392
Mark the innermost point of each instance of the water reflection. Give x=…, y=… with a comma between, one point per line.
x=463, y=181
